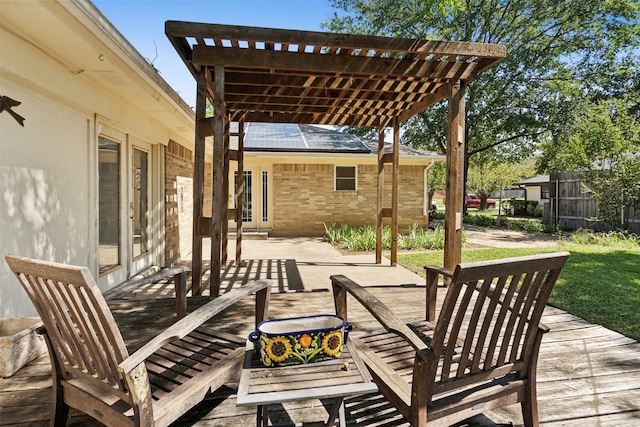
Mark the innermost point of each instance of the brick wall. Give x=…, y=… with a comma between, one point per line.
x=304, y=199
x=178, y=202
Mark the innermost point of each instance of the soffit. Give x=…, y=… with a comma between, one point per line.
x=287, y=76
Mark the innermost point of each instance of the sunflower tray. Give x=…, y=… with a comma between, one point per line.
x=300, y=340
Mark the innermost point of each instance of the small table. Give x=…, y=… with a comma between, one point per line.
x=336, y=379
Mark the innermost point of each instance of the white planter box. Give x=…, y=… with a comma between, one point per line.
x=19, y=343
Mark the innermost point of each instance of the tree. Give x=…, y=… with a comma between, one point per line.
x=437, y=179
x=603, y=144
x=558, y=53
x=487, y=176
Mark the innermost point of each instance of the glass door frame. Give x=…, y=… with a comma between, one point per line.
x=145, y=259
x=128, y=265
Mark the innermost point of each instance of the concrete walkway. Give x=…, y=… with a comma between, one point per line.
x=306, y=263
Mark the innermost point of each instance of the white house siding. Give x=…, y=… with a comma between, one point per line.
x=48, y=168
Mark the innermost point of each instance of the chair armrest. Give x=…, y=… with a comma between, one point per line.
x=543, y=328
x=379, y=310
x=440, y=270
x=186, y=325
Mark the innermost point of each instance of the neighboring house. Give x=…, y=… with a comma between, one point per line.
x=536, y=189
x=82, y=181
x=300, y=177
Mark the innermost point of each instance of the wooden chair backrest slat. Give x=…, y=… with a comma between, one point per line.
x=490, y=315
x=78, y=321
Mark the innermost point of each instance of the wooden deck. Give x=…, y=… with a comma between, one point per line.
x=587, y=375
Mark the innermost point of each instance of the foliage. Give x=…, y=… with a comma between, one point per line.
x=603, y=143
x=482, y=220
x=589, y=286
x=520, y=207
x=364, y=238
x=487, y=175
x=612, y=238
x=558, y=52
x=437, y=176
x=532, y=227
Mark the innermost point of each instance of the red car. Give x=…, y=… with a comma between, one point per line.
x=473, y=201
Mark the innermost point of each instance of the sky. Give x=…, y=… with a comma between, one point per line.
x=141, y=22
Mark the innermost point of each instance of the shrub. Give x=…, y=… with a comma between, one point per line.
x=533, y=226
x=610, y=238
x=482, y=220
x=520, y=207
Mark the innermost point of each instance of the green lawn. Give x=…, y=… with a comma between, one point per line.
x=600, y=284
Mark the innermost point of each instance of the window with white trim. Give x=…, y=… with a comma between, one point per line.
x=345, y=178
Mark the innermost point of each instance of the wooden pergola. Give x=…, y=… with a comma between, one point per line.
x=252, y=74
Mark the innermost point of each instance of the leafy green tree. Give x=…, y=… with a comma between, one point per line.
x=488, y=176
x=437, y=177
x=603, y=144
x=559, y=52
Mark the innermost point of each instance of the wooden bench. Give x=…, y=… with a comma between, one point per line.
x=179, y=274
x=94, y=372
x=480, y=354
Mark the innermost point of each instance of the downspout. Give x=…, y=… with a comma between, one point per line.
x=425, y=202
x=557, y=201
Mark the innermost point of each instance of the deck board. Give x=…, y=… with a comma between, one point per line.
x=587, y=374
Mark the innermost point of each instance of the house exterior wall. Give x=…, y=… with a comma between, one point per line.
x=305, y=200
x=49, y=167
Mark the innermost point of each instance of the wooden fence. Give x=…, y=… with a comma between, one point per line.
x=572, y=207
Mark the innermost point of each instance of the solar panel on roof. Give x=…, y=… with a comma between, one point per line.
x=299, y=138
x=280, y=136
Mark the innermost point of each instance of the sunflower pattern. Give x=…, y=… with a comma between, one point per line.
x=300, y=348
x=332, y=344
x=278, y=349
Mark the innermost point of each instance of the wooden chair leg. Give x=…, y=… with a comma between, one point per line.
x=530, y=405
x=59, y=409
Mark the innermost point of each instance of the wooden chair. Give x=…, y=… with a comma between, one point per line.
x=92, y=369
x=479, y=355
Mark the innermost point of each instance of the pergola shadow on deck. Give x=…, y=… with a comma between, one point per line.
x=283, y=76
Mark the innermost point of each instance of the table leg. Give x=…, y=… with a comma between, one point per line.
x=337, y=410
x=262, y=417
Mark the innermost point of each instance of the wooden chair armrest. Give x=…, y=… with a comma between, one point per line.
x=543, y=328
x=186, y=325
x=440, y=270
x=378, y=309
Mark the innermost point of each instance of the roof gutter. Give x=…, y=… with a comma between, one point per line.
x=86, y=12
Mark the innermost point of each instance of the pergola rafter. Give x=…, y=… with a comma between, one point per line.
x=284, y=76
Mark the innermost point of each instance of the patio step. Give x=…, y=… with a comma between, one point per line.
x=251, y=235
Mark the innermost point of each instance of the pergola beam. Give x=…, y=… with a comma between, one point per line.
x=343, y=64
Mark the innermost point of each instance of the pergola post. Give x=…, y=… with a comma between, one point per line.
x=198, y=180
x=240, y=192
x=224, y=224
x=395, y=183
x=380, y=195
x=219, y=127
x=455, y=175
